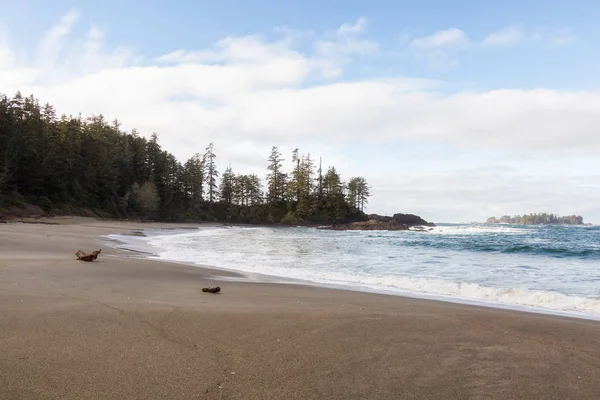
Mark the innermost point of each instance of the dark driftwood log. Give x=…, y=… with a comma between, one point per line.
x=87, y=257
x=212, y=289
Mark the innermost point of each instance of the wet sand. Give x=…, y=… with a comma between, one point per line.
x=126, y=328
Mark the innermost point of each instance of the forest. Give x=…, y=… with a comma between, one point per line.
x=90, y=166
x=537, y=219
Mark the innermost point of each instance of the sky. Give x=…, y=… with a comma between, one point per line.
x=452, y=110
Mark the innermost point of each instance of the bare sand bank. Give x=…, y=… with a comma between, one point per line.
x=125, y=328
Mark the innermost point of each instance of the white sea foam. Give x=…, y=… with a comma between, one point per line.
x=380, y=261
x=477, y=230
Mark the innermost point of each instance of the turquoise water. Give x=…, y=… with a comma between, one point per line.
x=540, y=268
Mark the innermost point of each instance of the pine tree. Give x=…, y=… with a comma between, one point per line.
x=320, y=188
x=194, y=181
x=306, y=173
x=295, y=181
x=276, y=179
x=254, y=189
x=227, y=186
x=352, y=192
x=211, y=172
x=306, y=206
x=239, y=190
x=71, y=161
x=358, y=192
x=363, y=193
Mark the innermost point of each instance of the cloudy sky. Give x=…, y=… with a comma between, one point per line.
x=453, y=110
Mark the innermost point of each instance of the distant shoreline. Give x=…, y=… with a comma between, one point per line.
x=548, y=224
x=538, y=219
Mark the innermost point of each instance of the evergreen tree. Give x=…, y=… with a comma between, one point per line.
x=276, y=179
x=295, y=181
x=320, y=187
x=193, y=182
x=227, y=186
x=239, y=190
x=363, y=193
x=358, y=192
x=212, y=173
x=74, y=164
x=352, y=192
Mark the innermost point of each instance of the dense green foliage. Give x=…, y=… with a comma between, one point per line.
x=73, y=164
x=537, y=219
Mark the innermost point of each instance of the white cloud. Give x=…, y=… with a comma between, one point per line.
x=505, y=37
x=90, y=55
x=442, y=49
x=49, y=48
x=253, y=88
x=359, y=26
x=249, y=49
x=329, y=54
x=448, y=38
x=7, y=58
x=341, y=47
x=248, y=93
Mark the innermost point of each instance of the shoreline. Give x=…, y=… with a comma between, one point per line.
x=258, y=277
x=123, y=327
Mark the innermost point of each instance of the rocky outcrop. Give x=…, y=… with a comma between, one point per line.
x=397, y=222
x=411, y=220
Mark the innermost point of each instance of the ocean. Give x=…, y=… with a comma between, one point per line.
x=548, y=269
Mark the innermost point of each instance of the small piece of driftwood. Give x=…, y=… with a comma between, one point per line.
x=87, y=257
x=215, y=289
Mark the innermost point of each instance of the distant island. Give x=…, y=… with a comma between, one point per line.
x=537, y=219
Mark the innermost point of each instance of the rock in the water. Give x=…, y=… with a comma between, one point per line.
x=211, y=289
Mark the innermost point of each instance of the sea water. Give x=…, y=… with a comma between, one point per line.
x=538, y=268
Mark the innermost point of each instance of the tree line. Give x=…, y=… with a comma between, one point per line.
x=537, y=219
x=72, y=164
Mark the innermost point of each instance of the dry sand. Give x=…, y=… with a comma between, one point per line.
x=123, y=328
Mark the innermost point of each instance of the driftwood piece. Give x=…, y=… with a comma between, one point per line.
x=211, y=289
x=87, y=257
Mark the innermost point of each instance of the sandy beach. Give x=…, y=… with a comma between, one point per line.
x=132, y=328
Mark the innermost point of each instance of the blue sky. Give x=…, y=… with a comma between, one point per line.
x=158, y=27
x=455, y=110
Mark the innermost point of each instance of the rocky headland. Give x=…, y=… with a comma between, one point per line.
x=397, y=222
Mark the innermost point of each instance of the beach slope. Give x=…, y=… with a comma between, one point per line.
x=129, y=328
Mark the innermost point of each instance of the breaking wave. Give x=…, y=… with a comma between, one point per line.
x=549, y=269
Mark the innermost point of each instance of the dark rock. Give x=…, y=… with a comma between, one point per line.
x=398, y=222
x=380, y=218
x=211, y=289
x=411, y=220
